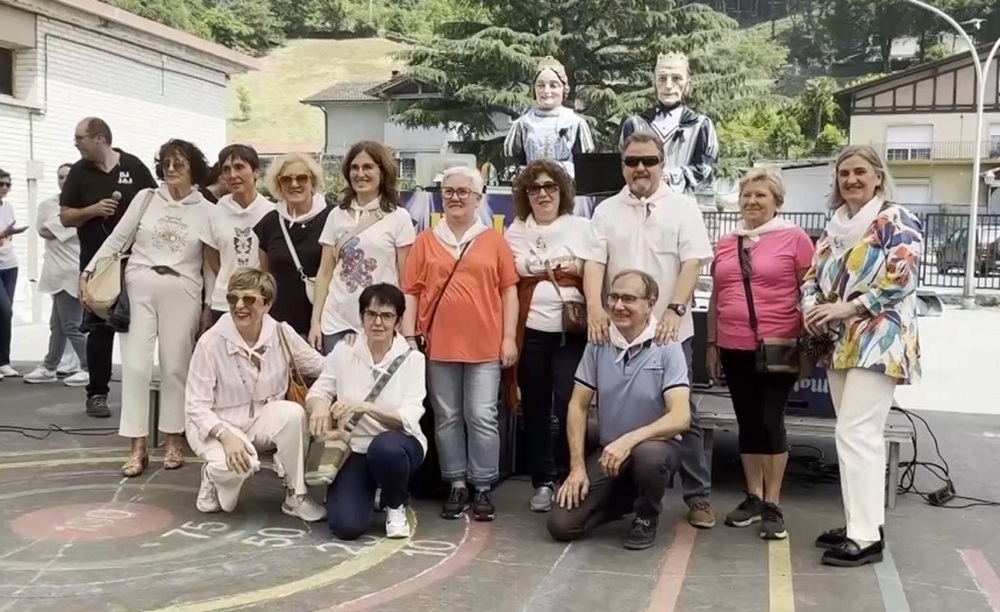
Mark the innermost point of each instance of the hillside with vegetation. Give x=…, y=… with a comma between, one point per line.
x=765, y=70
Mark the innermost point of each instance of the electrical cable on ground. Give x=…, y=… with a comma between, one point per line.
x=40, y=433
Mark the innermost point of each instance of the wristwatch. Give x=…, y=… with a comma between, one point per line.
x=680, y=309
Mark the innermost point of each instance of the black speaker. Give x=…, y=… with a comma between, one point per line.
x=699, y=344
x=598, y=173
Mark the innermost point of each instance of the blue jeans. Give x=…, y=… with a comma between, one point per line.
x=392, y=459
x=696, y=478
x=464, y=397
x=8, y=283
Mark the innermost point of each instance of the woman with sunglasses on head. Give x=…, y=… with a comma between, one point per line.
x=365, y=241
x=164, y=282
x=236, y=404
x=548, y=242
x=289, y=237
x=8, y=274
x=769, y=255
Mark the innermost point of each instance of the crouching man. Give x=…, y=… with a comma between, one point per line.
x=642, y=406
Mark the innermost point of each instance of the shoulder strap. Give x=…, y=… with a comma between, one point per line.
x=444, y=287
x=380, y=384
x=744, y=257
x=291, y=248
x=287, y=350
x=552, y=277
x=365, y=222
x=135, y=229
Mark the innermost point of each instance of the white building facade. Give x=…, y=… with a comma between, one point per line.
x=72, y=59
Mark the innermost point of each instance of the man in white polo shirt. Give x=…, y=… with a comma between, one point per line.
x=650, y=228
x=643, y=404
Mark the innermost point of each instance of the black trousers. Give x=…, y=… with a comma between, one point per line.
x=759, y=401
x=639, y=487
x=545, y=376
x=100, y=349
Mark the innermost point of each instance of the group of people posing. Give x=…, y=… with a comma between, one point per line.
x=583, y=322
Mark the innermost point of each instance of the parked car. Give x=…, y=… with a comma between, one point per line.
x=952, y=253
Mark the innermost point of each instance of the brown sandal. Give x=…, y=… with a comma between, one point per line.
x=173, y=459
x=135, y=466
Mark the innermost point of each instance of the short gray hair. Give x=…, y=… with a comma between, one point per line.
x=868, y=153
x=770, y=178
x=649, y=286
x=472, y=174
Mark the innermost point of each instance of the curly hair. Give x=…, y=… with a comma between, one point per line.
x=530, y=173
x=388, y=189
x=176, y=148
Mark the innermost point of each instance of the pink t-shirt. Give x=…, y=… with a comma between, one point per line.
x=777, y=259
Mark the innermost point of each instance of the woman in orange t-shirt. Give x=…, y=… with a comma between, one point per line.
x=461, y=299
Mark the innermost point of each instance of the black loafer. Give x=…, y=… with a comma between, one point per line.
x=849, y=554
x=835, y=537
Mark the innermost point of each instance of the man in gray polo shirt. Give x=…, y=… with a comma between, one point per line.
x=642, y=407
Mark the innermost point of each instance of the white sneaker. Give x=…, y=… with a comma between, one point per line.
x=208, y=494
x=9, y=372
x=303, y=507
x=279, y=469
x=397, y=526
x=70, y=364
x=41, y=375
x=80, y=379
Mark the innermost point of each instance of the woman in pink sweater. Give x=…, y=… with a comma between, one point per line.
x=769, y=255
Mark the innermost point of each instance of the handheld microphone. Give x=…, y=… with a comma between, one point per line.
x=116, y=196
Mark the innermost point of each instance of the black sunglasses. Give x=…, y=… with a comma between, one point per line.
x=646, y=160
x=5, y=183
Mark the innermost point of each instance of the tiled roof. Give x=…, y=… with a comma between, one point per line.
x=345, y=92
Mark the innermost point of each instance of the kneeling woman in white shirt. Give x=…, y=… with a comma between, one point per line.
x=387, y=446
x=235, y=399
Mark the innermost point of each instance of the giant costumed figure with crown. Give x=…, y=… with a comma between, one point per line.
x=689, y=138
x=548, y=130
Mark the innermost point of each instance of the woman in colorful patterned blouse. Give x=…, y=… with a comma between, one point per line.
x=861, y=290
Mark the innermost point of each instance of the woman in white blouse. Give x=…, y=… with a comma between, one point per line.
x=235, y=399
x=365, y=241
x=387, y=446
x=548, y=243
x=164, y=282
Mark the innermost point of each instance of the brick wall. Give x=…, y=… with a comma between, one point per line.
x=147, y=97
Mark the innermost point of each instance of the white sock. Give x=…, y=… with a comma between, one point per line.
x=863, y=543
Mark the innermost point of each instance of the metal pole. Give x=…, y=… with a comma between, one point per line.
x=969, y=287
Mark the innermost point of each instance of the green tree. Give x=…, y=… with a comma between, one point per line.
x=243, y=97
x=608, y=48
x=244, y=25
x=817, y=106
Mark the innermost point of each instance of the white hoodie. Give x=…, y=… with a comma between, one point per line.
x=169, y=234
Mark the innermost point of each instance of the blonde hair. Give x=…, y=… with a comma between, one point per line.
x=868, y=153
x=768, y=176
x=277, y=167
x=252, y=279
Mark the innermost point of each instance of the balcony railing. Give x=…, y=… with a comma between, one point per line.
x=956, y=150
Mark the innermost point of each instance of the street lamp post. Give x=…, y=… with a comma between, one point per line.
x=969, y=287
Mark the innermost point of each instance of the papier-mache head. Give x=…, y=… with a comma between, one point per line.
x=672, y=78
x=550, y=83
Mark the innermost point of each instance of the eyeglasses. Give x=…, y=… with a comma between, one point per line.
x=626, y=298
x=385, y=317
x=549, y=188
x=176, y=164
x=248, y=300
x=5, y=183
x=647, y=161
x=461, y=193
x=288, y=179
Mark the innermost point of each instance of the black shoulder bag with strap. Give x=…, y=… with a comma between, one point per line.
x=773, y=355
x=423, y=338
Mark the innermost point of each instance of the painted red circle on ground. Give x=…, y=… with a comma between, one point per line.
x=91, y=522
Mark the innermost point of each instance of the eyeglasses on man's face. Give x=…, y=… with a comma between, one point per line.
x=626, y=298
x=5, y=184
x=647, y=161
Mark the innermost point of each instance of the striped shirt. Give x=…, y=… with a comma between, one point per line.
x=229, y=382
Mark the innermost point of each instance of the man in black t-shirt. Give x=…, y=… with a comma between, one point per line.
x=97, y=192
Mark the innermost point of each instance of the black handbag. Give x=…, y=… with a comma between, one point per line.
x=773, y=355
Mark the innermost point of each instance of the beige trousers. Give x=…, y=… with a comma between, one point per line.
x=862, y=399
x=281, y=425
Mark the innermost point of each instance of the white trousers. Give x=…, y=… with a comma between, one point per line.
x=280, y=425
x=164, y=312
x=862, y=399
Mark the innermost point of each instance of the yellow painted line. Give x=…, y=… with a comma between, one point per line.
x=370, y=558
x=779, y=569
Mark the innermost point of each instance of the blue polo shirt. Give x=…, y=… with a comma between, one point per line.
x=630, y=388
